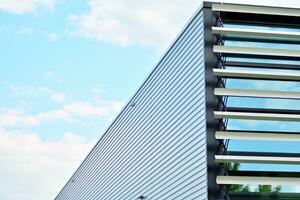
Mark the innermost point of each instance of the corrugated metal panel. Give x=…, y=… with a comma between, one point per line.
x=156, y=148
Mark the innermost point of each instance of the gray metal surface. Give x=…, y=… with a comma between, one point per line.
x=257, y=159
x=253, y=74
x=256, y=9
x=256, y=51
x=156, y=148
x=257, y=180
x=256, y=32
x=256, y=93
x=238, y=135
x=257, y=116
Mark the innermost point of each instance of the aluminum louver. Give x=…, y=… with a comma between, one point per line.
x=251, y=45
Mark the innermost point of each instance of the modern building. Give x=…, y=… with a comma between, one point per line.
x=171, y=140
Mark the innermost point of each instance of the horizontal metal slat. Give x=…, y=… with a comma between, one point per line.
x=256, y=116
x=271, y=40
x=253, y=32
x=236, y=135
x=240, y=180
x=256, y=51
x=265, y=75
x=256, y=93
x=256, y=159
x=256, y=9
x=262, y=65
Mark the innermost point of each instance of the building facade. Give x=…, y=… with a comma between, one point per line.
x=171, y=140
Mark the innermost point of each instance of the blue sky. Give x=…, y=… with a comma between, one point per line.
x=67, y=68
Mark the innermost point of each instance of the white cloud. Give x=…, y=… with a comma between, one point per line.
x=11, y=117
x=90, y=109
x=55, y=96
x=25, y=6
x=4, y=28
x=53, y=37
x=150, y=23
x=68, y=112
x=29, y=90
x=33, y=169
x=77, y=110
x=97, y=90
x=98, y=93
x=53, y=76
x=49, y=74
x=17, y=90
x=25, y=31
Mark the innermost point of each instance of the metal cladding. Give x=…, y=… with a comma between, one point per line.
x=172, y=139
x=155, y=149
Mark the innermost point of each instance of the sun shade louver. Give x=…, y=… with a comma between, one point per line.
x=257, y=116
x=257, y=159
x=258, y=33
x=258, y=53
x=252, y=74
x=256, y=93
x=255, y=10
x=259, y=136
x=253, y=52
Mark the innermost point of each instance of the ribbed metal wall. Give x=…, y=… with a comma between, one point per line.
x=157, y=145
